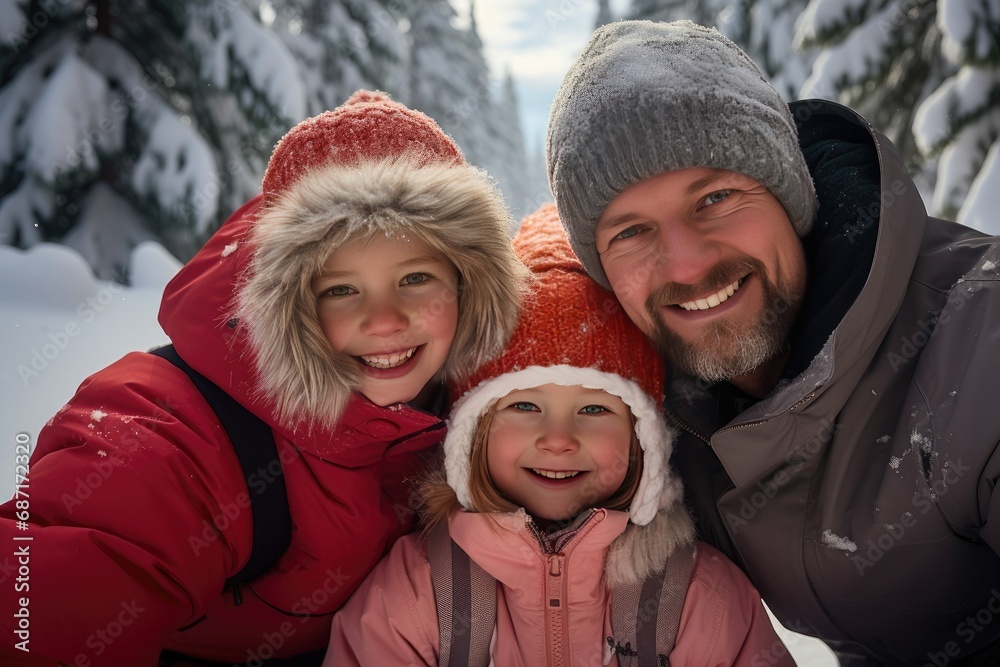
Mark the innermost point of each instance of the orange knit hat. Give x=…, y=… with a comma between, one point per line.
x=572, y=331
x=368, y=126
x=569, y=319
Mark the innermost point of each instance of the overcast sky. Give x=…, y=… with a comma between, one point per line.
x=537, y=40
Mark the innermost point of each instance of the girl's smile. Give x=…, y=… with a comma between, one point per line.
x=556, y=450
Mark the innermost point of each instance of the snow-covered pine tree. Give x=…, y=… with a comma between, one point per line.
x=763, y=28
x=768, y=40
x=538, y=175
x=508, y=161
x=341, y=46
x=449, y=80
x=127, y=122
x=879, y=57
x=726, y=15
x=959, y=123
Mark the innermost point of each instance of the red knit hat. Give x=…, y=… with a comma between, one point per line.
x=368, y=126
x=572, y=331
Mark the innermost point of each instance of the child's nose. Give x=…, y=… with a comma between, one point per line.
x=385, y=318
x=559, y=439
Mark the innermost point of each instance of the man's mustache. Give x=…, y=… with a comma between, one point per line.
x=718, y=277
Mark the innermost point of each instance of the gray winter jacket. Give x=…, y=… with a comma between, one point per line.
x=858, y=495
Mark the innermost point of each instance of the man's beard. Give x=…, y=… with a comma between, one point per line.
x=725, y=349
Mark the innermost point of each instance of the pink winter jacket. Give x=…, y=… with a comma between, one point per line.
x=392, y=619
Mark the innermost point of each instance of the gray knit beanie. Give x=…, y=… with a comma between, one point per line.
x=645, y=98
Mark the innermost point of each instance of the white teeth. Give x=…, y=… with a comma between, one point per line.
x=388, y=360
x=554, y=474
x=713, y=300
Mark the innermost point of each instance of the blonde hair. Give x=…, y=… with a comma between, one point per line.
x=437, y=500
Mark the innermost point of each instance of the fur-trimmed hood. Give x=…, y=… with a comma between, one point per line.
x=239, y=311
x=455, y=209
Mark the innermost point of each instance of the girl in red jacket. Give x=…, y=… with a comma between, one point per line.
x=557, y=485
x=375, y=264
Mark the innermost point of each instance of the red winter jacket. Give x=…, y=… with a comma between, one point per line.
x=138, y=509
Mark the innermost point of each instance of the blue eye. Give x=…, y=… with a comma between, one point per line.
x=626, y=233
x=593, y=410
x=338, y=290
x=415, y=279
x=716, y=197
x=523, y=406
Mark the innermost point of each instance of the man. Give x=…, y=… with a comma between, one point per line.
x=833, y=349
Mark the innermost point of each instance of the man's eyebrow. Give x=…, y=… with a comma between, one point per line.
x=695, y=186
x=616, y=221
x=691, y=189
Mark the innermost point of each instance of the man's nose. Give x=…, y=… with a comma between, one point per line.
x=684, y=253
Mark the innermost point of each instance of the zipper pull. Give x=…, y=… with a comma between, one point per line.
x=555, y=565
x=553, y=585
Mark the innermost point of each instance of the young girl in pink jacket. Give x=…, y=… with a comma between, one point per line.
x=557, y=485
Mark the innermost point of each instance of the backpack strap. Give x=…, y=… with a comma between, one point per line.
x=658, y=598
x=465, y=596
x=253, y=442
x=466, y=599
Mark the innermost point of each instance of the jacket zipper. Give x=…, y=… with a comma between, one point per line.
x=804, y=399
x=555, y=592
x=555, y=612
x=676, y=421
x=739, y=426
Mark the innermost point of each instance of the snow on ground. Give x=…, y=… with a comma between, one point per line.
x=59, y=324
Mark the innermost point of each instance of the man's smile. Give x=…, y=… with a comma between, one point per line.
x=713, y=300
